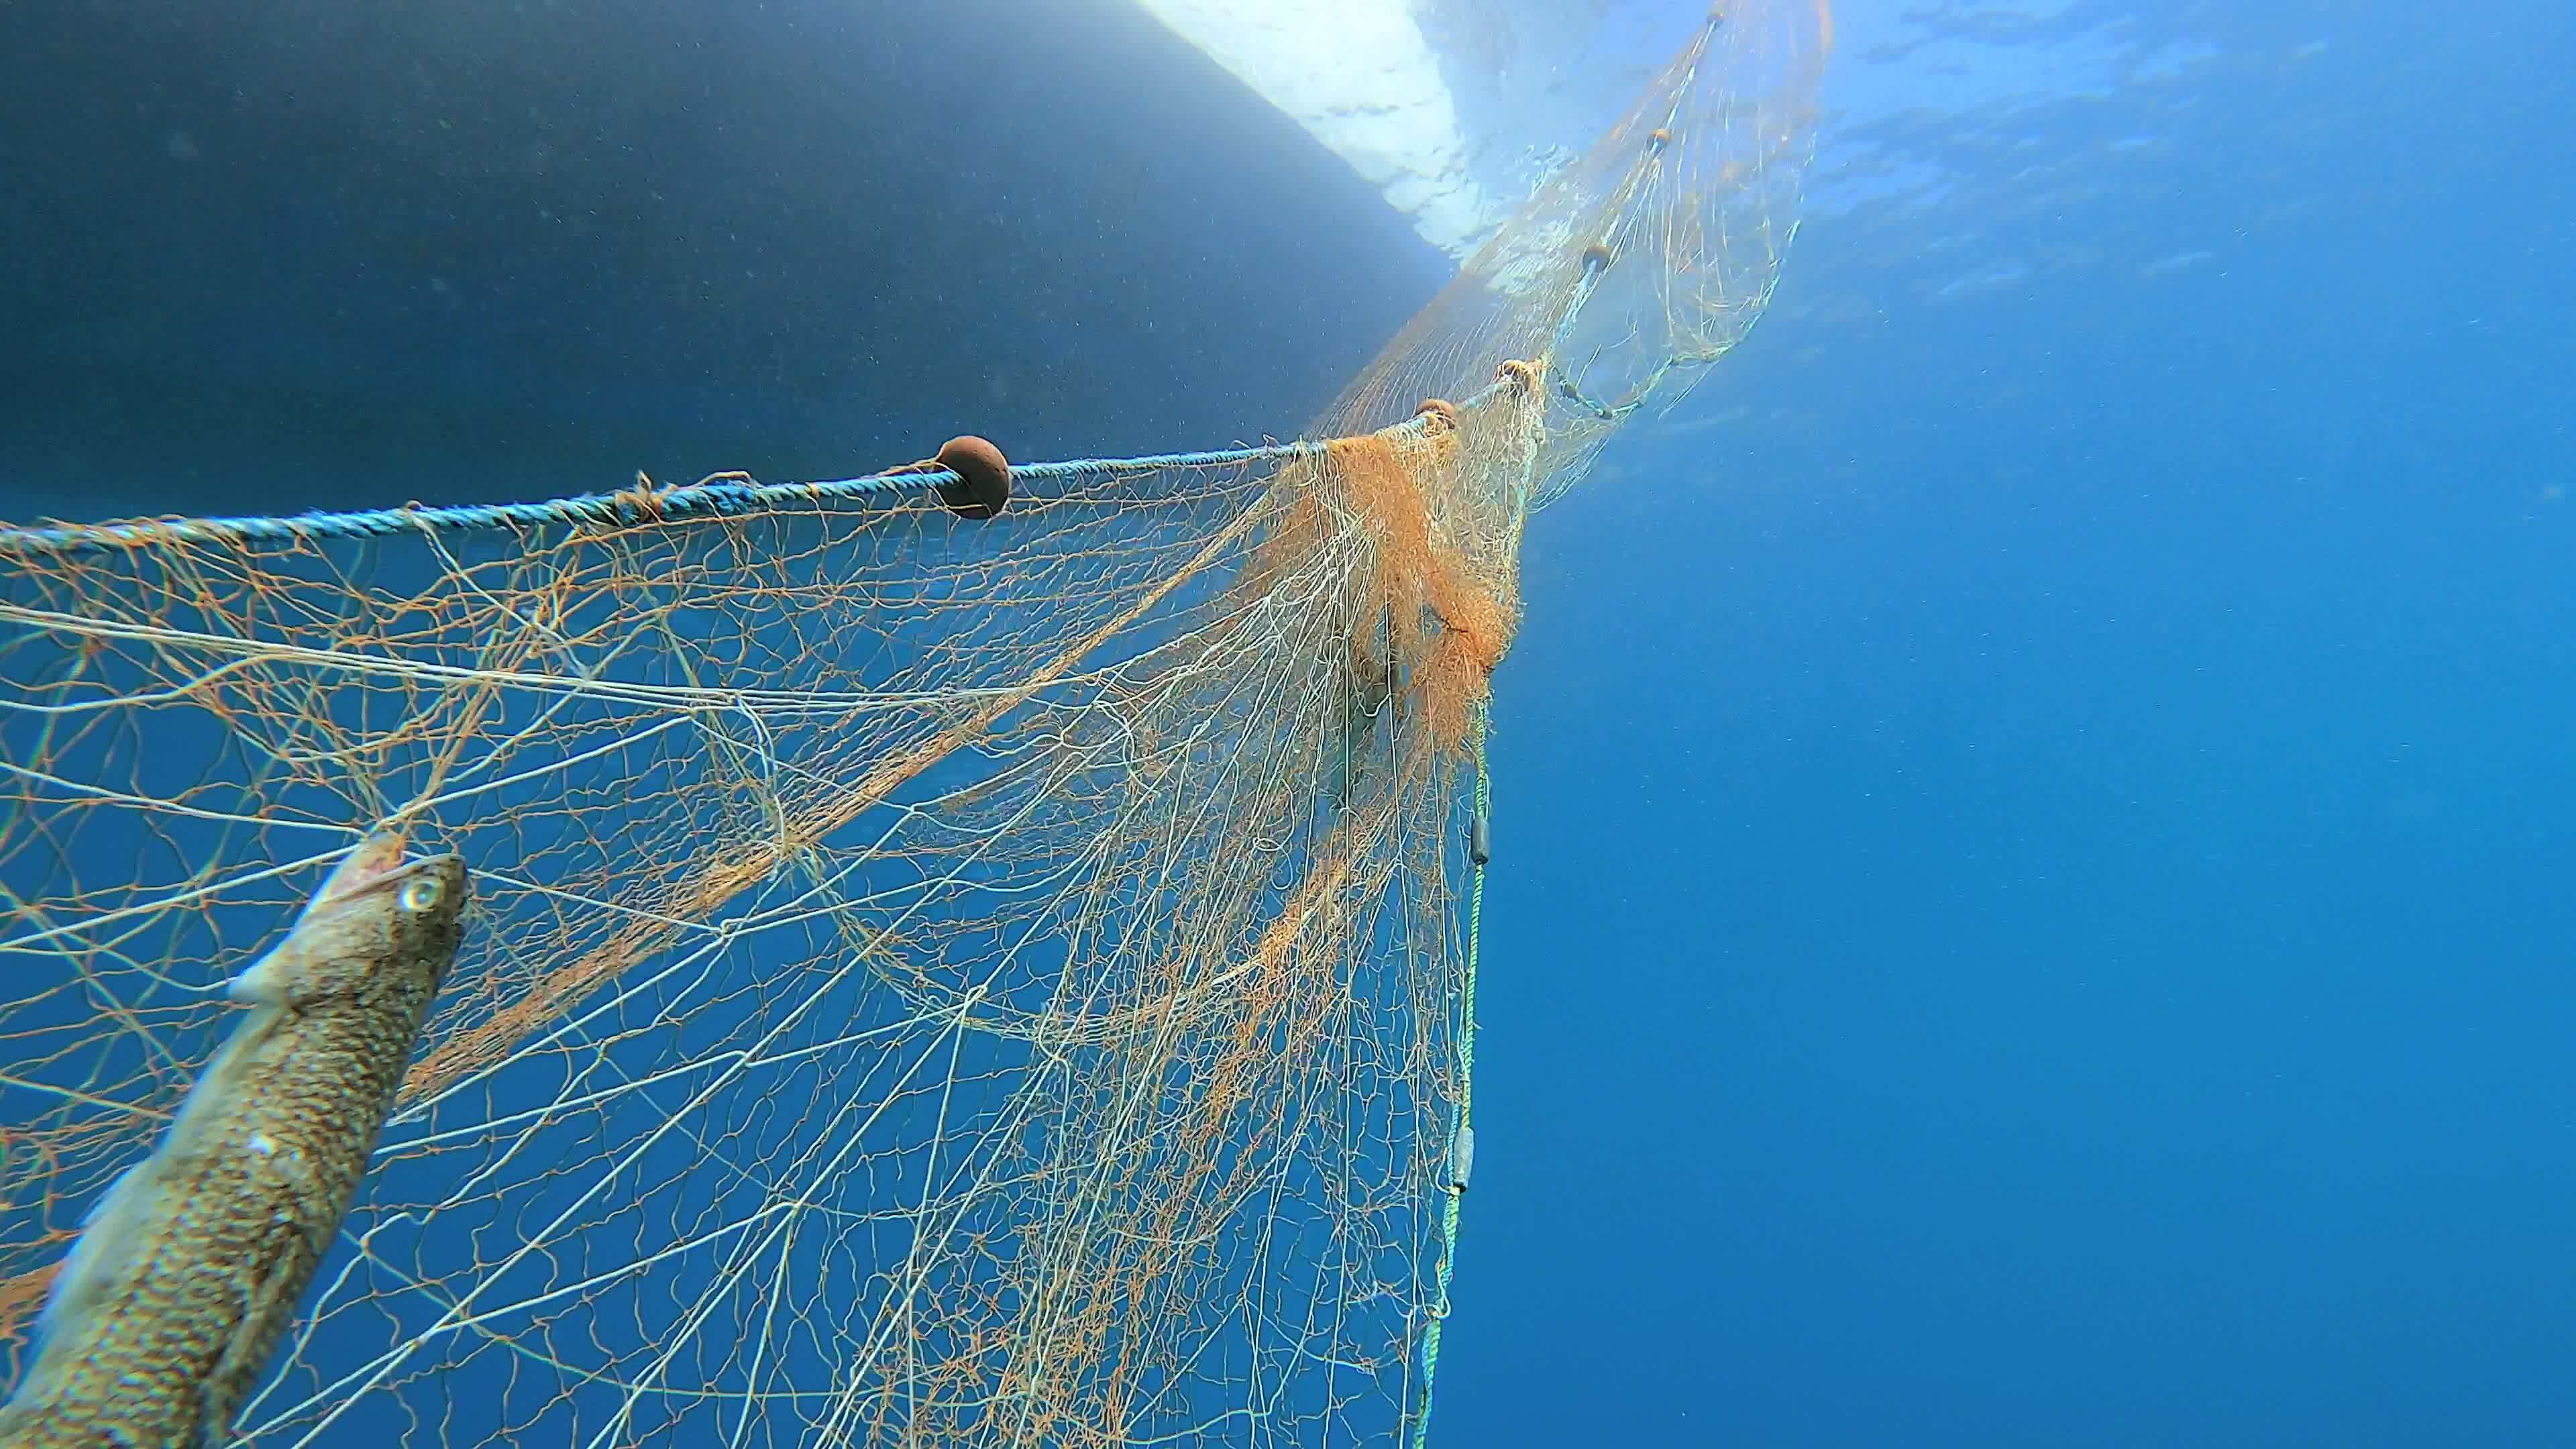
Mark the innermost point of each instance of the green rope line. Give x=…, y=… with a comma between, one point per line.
x=1460, y=1123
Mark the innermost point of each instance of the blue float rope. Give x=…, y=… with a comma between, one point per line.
x=717, y=497
x=633, y=506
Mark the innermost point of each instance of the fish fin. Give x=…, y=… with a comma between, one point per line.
x=265, y=982
x=95, y=1253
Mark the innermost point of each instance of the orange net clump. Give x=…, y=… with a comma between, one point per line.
x=971, y=969
x=1446, y=627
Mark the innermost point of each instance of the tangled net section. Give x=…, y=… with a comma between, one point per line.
x=933, y=978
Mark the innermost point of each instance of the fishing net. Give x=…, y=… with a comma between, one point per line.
x=932, y=978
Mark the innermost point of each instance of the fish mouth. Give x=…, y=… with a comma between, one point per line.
x=378, y=858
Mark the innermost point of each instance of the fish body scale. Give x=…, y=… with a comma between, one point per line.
x=226, y=1223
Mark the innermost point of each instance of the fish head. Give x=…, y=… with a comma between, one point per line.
x=407, y=917
x=380, y=922
x=427, y=910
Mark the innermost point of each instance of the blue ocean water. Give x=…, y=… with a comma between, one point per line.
x=2031, y=892
x=2033, y=897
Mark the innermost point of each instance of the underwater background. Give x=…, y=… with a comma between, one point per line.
x=2031, y=901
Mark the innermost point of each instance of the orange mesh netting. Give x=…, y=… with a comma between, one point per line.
x=932, y=979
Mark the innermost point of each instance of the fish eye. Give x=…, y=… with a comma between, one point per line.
x=420, y=895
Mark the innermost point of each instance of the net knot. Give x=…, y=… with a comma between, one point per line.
x=643, y=502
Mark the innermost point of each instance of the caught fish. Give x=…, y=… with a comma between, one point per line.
x=190, y=1267
x=1367, y=686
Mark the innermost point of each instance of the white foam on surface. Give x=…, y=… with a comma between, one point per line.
x=1362, y=79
